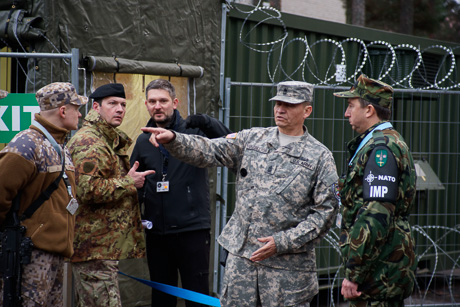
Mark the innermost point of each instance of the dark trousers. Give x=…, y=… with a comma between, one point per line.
x=185, y=253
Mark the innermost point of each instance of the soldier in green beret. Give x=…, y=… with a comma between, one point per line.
x=377, y=194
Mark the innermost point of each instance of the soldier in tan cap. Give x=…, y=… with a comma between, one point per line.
x=34, y=161
x=377, y=192
x=286, y=201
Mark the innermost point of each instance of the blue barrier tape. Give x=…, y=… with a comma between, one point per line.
x=179, y=292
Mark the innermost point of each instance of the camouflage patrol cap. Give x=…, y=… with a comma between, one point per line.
x=294, y=92
x=374, y=91
x=57, y=94
x=3, y=94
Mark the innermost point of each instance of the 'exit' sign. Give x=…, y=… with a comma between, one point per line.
x=16, y=113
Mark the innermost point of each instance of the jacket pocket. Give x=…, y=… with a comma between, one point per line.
x=294, y=188
x=344, y=245
x=36, y=231
x=293, y=297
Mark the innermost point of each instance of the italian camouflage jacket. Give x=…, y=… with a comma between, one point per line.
x=376, y=241
x=287, y=192
x=108, y=223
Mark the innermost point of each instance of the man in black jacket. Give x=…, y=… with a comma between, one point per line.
x=176, y=199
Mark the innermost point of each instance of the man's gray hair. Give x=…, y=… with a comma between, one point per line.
x=161, y=84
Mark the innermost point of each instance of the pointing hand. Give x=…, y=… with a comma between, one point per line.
x=139, y=177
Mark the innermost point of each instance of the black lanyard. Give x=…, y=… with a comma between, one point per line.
x=165, y=154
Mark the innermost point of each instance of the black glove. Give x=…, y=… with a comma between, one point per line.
x=196, y=121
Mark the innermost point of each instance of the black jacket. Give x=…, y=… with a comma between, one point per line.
x=186, y=206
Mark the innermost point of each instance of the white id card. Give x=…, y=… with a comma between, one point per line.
x=72, y=206
x=163, y=186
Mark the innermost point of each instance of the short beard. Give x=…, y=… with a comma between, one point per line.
x=165, y=122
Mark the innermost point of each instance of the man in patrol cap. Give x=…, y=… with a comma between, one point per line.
x=109, y=225
x=286, y=201
x=28, y=165
x=376, y=241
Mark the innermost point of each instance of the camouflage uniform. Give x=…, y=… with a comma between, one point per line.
x=33, y=160
x=376, y=241
x=287, y=192
x=28, y=165
x=106, y=271
x=108, y=223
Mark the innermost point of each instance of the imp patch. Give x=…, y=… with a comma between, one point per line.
x=380, y=179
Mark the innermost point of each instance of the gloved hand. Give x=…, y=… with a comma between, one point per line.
x=196, y=121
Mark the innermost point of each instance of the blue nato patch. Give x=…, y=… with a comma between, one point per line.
x=380, y=179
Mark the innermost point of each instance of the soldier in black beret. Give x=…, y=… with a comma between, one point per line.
x=108, y=90
x=108, y=224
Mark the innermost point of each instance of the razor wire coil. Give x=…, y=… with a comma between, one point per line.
x=420, y=76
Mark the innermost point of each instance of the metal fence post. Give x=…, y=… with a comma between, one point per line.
x=74, y=68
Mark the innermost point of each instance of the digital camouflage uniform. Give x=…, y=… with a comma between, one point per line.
x=108, y=222
x=285, y=192
x=376, y=241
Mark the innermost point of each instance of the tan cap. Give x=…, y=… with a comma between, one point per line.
x=57, y=94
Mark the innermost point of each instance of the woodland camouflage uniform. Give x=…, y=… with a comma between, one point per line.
x=376, y=241
x=99, y=152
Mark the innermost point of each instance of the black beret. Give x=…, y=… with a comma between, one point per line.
x=108, y=90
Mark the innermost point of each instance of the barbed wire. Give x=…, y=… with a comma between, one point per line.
x=425, y=73
x=332, y=239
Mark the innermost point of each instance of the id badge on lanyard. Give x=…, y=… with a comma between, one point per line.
x=163, y=185
x=72, y=206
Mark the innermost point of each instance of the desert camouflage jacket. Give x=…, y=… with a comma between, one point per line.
x=108, y=223
x=287, y=192
x=376, y=241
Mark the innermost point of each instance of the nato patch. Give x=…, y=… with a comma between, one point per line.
x=380, y=179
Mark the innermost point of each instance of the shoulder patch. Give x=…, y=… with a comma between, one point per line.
x=380, y=179
x=336, y=191
x=88, y=167
x=381, y=157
